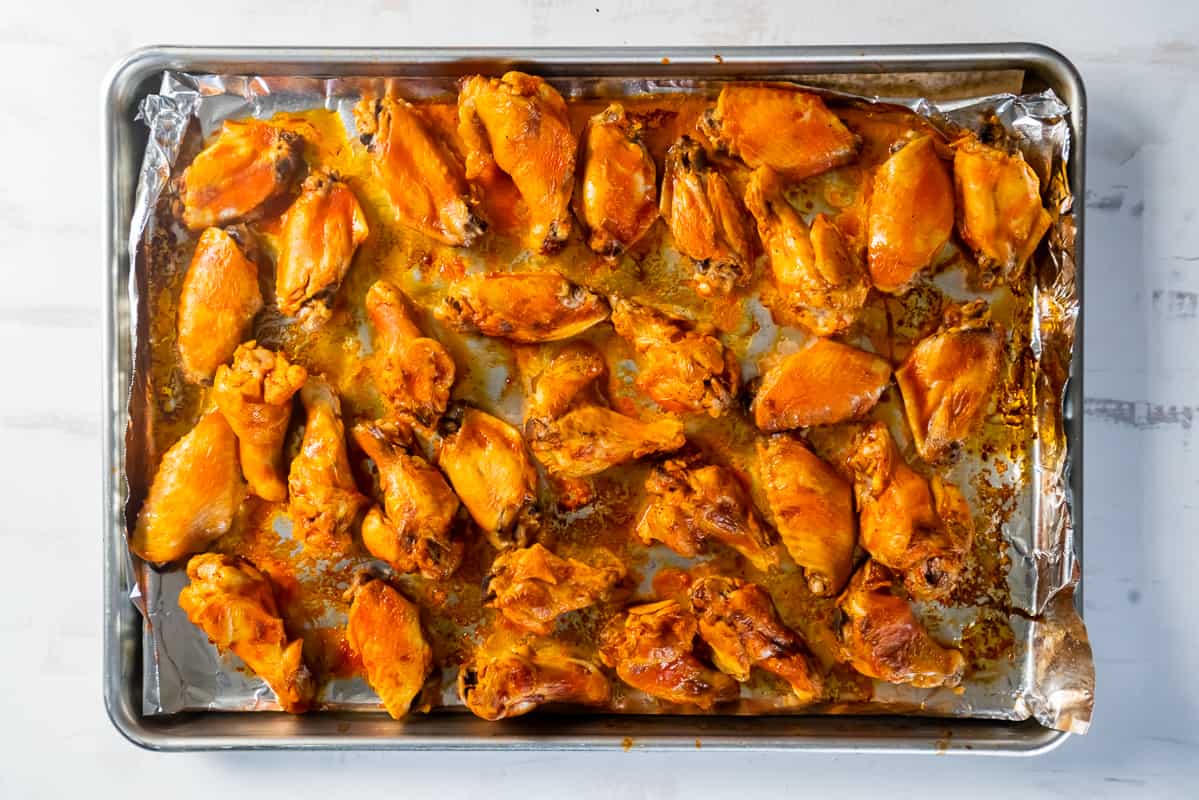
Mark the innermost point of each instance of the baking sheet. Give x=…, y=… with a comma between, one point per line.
x=1051, y=677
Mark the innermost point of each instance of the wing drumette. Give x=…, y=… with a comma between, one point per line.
x=415, y=372
x=255, y=395
x=414, y=529
x=324, y=498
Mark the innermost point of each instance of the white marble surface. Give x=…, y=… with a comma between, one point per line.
x=1142, y=291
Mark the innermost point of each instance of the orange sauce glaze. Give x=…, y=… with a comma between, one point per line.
x=312, y=591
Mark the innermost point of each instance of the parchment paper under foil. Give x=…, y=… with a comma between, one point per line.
x=1051, y=677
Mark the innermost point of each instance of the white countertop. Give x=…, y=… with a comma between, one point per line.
x=1142, y=292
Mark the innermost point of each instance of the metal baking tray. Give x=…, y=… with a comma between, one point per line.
x=124, y=140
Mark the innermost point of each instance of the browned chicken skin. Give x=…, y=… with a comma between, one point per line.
x=384, y=630
x=739, y=622
x=813, y=511
x=487, y=465
x=321, y=231
x=255, y=396
x=949, y=377
x=415, y=372
x=691, y=502
x=823, y=383
x=521, y=306
x=910, y=216
x=414, y=529
x=652, y=648
x=422, y=177
x=573, y=436
x=616, y=198
x=881, y=637
x=818, y=275
x=194, y=496
x=324, y=497
x=707, y=221
x=680, y=365
x=519, y=124
x=234, y=604
x=924, y=532
x=790, y=131
x=532, y=587
x=512, y=676
x=1000, y=213
x=233, y=179
x=217, y=304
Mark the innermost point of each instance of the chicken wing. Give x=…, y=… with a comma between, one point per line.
x=234, y=604
x=1000, y=213
x=948, y=378
x=217, y=304
x=521, y=306
x=739, y=622
x=532, y=587
x=254, y=395
x=910, y=216
x=573, y=436
x=881, y=637
x=682, y=366
x=817, y=273
x=414, y=529
x=813, y=510
x=384, y=630
x=519, y=124
x=234, y=179
x=422, y=177
x=616, y=198
x=487, y=465
x=652, y=648
x=321, y=232
x=324, y=498
x=707, y=221
x=415, y=373
x=902, y=525
x=194, y=495
x=690, y=503
x=510, y=678
x=823, y=383
x=790, y=131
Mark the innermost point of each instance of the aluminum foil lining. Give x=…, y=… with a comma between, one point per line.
x=1051, y=677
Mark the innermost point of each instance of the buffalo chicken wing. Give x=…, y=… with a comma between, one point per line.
x=818, y=275
x=616, y=198
x=691, y=503
x=194, y=496
x=739, y=622
x=510, y=676
x=519, y=124
x=384, y=630
x=532, y=587
x=823, y=383
x=234, y=179
x=255, y=395
x=234, y=604
x=523, y=307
